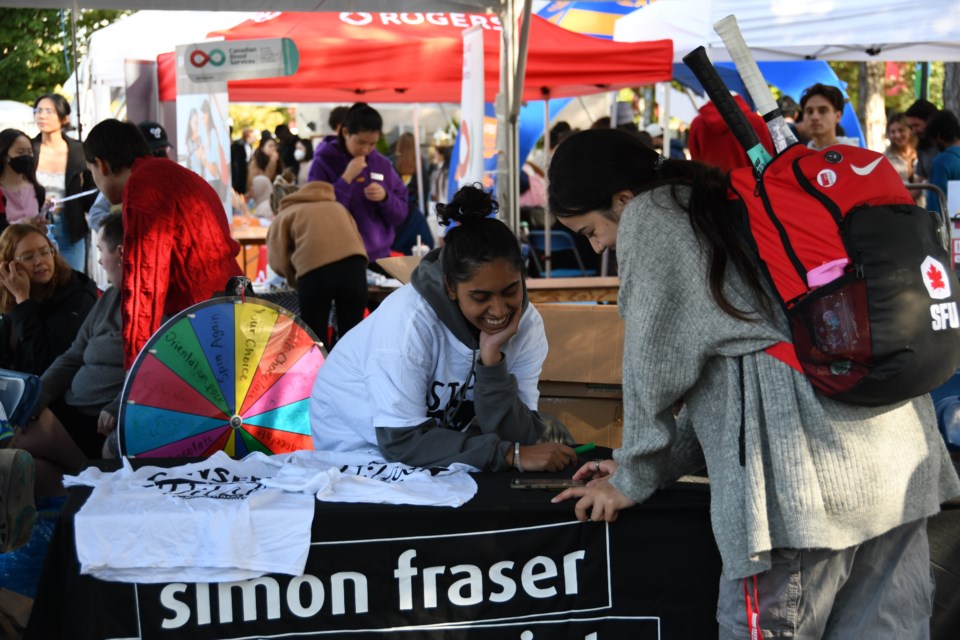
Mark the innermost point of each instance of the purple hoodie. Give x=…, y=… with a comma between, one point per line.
x=375, y=220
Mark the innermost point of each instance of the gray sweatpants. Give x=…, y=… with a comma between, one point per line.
x=879, y=590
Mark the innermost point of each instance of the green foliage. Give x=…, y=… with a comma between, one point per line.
x=900, y=94
x=257, y=117
x=37, y=51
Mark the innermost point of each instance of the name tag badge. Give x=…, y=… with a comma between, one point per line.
x=376, y=176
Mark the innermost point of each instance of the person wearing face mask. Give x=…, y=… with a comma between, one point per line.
x=22, y=195
x=363, y=179
x=302, y=153
x=446, y=369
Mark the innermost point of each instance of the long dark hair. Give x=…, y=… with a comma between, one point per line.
x=60, y=105
x=478, y=239
x=261, y=158
x=7, y=138
x=589, y=167
x=360, y=117
x=62, y=273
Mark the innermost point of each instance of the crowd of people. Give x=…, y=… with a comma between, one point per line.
x=446, y=369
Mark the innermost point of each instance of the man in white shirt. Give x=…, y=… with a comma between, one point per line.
x=822, y=108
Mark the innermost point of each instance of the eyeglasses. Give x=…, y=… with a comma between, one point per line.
x=33, y=255
x=47, y=111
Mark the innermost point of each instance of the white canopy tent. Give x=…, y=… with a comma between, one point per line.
x=17, y=115
x=858, y=30
x=140, y=36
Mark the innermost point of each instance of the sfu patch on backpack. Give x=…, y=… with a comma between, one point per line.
x=862, y=272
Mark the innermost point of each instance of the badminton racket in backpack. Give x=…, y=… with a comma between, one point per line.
x=736, y=120
x=729, y=32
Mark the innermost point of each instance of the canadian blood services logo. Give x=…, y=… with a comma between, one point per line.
x=200, y=58
x=356, y=18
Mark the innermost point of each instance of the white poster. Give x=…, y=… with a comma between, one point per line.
x=203, y=132
x=953, y=198
x=470, y=158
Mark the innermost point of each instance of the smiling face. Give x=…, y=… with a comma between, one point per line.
x=34, y=254
x=362, y=143
x=600, y=225
x=491, y=297
x=899, y=134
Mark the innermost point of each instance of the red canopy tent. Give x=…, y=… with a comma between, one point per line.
x=418, y=57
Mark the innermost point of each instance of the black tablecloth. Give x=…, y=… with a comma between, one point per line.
x=652, y=574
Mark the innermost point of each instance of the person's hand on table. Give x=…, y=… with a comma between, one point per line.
x=599, y=500
x=595, y=470
x=543, y=456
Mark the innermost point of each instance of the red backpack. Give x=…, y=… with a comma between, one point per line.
x=862, y=272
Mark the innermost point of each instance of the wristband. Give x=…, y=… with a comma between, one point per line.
x=516, y=456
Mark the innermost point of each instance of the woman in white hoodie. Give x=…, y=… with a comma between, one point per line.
x=446, y=369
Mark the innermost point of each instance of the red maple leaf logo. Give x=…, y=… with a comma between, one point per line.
x=936, y=277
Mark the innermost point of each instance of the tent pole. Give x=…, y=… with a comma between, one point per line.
x=76, y=70
x=547, y=245
x=416, y=145
x=513, y=56
x=665, y=119
x=502, y=107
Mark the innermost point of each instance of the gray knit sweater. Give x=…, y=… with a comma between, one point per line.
x=817, y=473
x=89, y=375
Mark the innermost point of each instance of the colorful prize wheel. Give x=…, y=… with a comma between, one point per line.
x=225, y=374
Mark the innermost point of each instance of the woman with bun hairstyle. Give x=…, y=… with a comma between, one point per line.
x=22, y=195
x=363, y=179
x=446, y=369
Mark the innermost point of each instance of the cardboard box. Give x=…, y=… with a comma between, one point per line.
x=582, y=380
x=598, y=420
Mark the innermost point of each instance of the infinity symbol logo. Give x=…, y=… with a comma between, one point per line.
x=200, y=59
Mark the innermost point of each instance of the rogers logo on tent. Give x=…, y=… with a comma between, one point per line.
x=935, y=278
x=356, y=18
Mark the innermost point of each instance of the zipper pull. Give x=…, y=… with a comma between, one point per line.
x=858, y=271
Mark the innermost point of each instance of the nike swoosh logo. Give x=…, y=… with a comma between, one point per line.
x=865, y=171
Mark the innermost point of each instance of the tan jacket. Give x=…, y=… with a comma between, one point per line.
x=311, y=230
